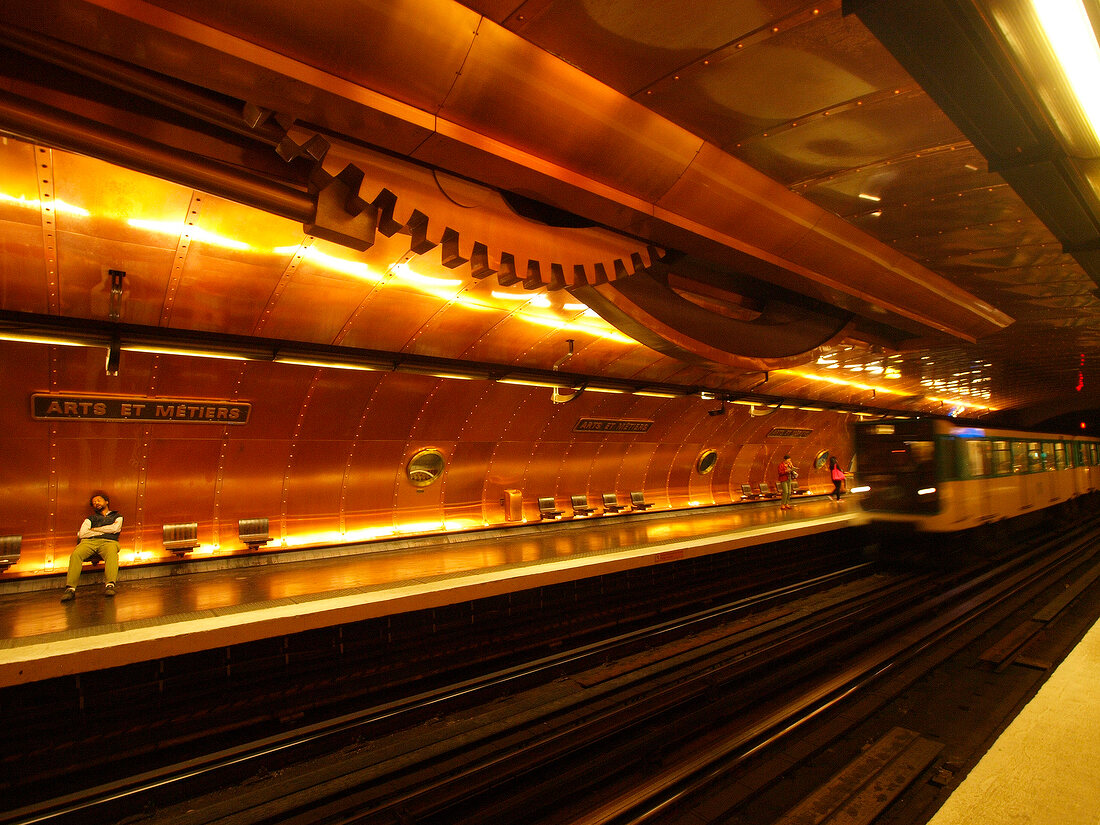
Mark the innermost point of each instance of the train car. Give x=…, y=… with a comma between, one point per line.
x=937, y=477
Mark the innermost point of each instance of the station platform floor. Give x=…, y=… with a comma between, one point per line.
x=188, y=607
x=1044, y=769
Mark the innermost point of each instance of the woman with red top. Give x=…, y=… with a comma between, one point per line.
x=787, y=474
x=837, y=476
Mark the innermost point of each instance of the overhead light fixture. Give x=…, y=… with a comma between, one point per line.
x=1070, y=32
x=529, y=382
x=156, y=349
x=595, y=388
x=868, y=197
x=1055, y=50
x=658, y=393
x=317, y=362
x=35, y=338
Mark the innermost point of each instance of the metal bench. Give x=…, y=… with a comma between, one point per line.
x=253, y=532
x=766, y=491
x=580, y=506
x=611, y=504
x=10, y=548
x=181, y=538
x=747, y=493
x=548, y=508
x=637, y=499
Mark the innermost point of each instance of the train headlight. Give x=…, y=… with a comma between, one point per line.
x=927, y=491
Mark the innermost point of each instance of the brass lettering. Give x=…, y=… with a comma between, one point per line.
x=99, y=408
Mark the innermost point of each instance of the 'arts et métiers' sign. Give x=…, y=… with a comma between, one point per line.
x=52, y=407
x=612, y=425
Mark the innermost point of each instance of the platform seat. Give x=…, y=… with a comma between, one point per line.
x=253, y=532
x=796, y=491
x=766, y=491
x=181, y=538
x=10, y=548
x=637, y=500
x=580, y=506
x=548, y=508
x=611, y=504
x=747, y=493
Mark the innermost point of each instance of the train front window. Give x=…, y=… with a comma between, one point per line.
x=898, y=463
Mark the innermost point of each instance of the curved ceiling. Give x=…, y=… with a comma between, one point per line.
x=782, y=147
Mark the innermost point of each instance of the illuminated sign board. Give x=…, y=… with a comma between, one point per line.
x=612, y=425
x=51, y=407
x=788, y=432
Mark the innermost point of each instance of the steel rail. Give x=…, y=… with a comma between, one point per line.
x=645, y=803
x=84, y=804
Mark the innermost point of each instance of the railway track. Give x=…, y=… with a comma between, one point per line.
x=623, y=731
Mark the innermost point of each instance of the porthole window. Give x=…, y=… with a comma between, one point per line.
x=706, y=461
x=820, y=459
x=425, y=467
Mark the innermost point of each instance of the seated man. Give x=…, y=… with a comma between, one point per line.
x=98, y=535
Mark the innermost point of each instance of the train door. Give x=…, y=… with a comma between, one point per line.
x=1019, y=502
x=980, y=497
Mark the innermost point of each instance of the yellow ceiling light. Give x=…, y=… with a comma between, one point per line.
x=327, y=364
x=356, y=269
x=1055, y=50
x=405, y=274
x=35, y=338
x=193, y=232
x=832, y=379
x=1069, y=31
x=155, y=349
x=34, y=203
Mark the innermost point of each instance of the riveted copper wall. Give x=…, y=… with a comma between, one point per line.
x=324, y=453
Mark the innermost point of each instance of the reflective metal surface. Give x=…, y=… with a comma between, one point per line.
x=426, y=178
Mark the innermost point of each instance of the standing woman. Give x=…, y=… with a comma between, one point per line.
x=787, y=474
x=837, y=475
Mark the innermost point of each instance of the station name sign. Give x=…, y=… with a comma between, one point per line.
x=612, y=425
x=50, y=407
x=788, y=432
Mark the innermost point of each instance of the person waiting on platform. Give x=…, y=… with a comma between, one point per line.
x=787, y=473
x=98, y=536
x=837, y=475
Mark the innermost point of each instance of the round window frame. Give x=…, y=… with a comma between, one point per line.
x=425, y=476
x=706, y=461
x=821, y=459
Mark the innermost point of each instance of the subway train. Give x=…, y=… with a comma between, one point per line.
x=935, y=477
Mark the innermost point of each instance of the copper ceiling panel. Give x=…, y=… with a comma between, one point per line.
x=824, y=64
x=84, y=262
x=454, y=331
x=895, y=127
x=907, y=180
x=390, y=319
x=629, y=50
x=572, y=119
x=380, y=44
x=314, y=305
x=24, y=283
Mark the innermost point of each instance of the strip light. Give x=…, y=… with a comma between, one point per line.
x=1068, y=28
